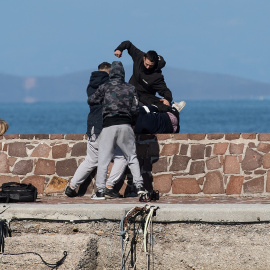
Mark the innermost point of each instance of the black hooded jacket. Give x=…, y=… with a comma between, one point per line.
x=94, y=119
x=151, y=121
x=144, y=83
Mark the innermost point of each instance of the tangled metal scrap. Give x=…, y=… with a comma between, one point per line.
x=137, y=224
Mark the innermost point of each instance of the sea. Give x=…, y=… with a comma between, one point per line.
x=198, y=116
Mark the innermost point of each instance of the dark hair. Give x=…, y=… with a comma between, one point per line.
x=152, y=56
x=104, y=65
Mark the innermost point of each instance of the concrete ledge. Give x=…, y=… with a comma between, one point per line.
x=227, y=213
x=221, y=213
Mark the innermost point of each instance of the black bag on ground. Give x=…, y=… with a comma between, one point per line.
x=17, y=192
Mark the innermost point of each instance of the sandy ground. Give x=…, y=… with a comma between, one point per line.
x=96, y=245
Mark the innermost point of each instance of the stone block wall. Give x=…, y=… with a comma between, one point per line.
x=183, y=164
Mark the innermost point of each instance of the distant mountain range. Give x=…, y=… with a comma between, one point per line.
x=185, y=85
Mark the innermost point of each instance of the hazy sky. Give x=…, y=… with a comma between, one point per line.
x=53, y=37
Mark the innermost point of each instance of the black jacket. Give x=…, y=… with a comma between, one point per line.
x=94, y=119
x=151, y=121
x=146, y=84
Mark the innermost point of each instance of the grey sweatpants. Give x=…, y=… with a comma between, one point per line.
x=123, y=137
x=91, y=162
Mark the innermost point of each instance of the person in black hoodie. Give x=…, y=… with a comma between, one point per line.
x=120, y=109
x=151, y=121
x=147, y=77
x=94, y=128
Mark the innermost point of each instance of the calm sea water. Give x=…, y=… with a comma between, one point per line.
x=196, y=117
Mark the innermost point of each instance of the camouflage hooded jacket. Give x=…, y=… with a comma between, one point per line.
x=119, y=99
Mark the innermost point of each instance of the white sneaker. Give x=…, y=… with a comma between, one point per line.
x=98, y=196
x=141, y=190
x=179, y=105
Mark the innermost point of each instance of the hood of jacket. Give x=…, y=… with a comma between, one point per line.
x=97, y=78
x=161, y=62
x=117, y=71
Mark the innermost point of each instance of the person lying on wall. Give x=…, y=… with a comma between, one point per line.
x=151, y=121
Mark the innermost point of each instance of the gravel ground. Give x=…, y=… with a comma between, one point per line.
x=96, y=245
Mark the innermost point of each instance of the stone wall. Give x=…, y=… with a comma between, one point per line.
x=182, y=164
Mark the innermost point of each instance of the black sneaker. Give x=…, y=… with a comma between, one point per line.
x=111, y=193
x=70, y=192
x=131, y=190
x=98, y=196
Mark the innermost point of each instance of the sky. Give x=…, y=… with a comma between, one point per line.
x=55, y=37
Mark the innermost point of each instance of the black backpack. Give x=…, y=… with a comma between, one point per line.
x=16, y=192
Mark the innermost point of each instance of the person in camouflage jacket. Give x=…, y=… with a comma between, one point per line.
x=120, y=109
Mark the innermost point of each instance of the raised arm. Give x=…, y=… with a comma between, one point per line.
x=133, y=51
